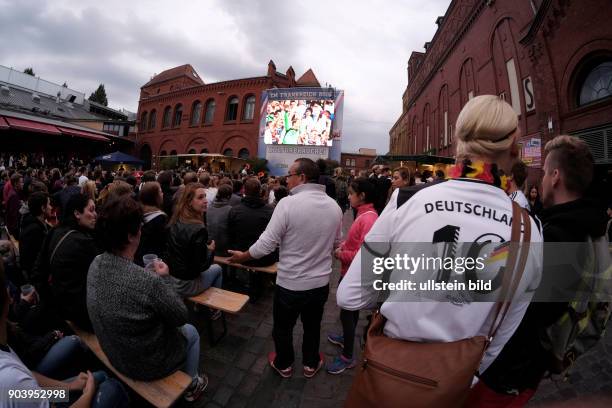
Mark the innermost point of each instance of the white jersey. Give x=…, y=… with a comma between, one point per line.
x=475, y=212
x=520, y=199
x=15, y=375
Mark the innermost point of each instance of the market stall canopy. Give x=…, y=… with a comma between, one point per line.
x=117, y=158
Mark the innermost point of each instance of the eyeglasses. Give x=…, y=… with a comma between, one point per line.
x=294, y=174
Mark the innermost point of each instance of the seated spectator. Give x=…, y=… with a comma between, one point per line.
x=248, y=220
x=15, y=375
x=65, y=258
x=188, y=252
x=34, y=230
x=153, y=234
x=137, y=317
x=217, y=219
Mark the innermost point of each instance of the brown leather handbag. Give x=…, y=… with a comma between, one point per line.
x=398, y=373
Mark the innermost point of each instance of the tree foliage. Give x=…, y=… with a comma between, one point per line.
x=99, y=96
x=29, y=71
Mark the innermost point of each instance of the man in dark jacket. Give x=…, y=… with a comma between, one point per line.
x=248, y=220
x=13, y=204
x=568, y=217
x=60, y=199
x=33, y=230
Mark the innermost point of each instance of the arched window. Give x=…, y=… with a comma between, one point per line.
x=232, y=109
x=597, y=84
x=163, y=153
x=210, y=112
x=205, y=150
x=243, y=153
x=191, y=151
x=143, y=121
x=228, y=152
x=249, y=108
x=196, y=112
x=178, y=115
x=152, y=119
x=173, y=153
x=166, y=118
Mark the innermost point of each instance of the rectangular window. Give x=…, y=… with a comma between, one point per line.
x=514, y=87
x=353, y=162
x=427, y=140
x=348, y=162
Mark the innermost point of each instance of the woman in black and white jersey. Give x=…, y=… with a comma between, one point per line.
x=470, y=207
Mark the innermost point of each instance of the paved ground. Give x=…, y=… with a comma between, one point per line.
x=240, y=377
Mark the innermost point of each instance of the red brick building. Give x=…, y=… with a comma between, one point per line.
x=178, y=113
x=357, y=161
x=550, y=59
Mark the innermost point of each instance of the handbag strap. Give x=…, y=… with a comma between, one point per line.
x=58, y=245
x=519, y=217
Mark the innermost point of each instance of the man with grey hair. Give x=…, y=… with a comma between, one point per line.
x=306, y=227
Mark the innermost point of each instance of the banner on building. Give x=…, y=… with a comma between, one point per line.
x=531, y=151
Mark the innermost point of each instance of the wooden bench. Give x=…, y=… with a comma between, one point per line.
x=265, y=269
x=160, y=393
x=223, y=300
x=255, y=284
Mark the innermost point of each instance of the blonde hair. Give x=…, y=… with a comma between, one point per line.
x=89, y=189
x=484, y=127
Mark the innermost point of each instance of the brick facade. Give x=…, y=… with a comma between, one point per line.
x=550, y=45
x=356, y=161
x=180, y=89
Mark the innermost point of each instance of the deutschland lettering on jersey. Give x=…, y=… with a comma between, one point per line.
x=468, y=208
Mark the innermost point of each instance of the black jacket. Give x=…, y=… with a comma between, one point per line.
x=64, y=278
x=32, y=235
x=152, y=236
x=187, y=255
x=246, y=222
x=523, y=361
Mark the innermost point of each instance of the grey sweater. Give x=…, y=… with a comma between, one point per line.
x=136, y=317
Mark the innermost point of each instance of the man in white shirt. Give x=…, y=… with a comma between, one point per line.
x=516, y=184
x=82, y=176
x=306, y=226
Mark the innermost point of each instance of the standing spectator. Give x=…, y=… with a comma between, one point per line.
x=236, y=197
x=534, y=201
x=13, y=204
x=165, y=181
x=188, y=252
x=568, y=216
x=325, y=179
x=153, y=232
x=89, y=189
x=401, y=178
x=140, y=322
x=280, y=193
x=516, y=183
x=65, y=258
x=217, y=217
x=486, y=133
x=60, y=198
x=34, y=229
x=341, y=186
x=82, y=176
x=304, y=267
x=383, y=185
x=248, y=220
x=362, y=193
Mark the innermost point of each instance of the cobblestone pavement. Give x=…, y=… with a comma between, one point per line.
x=240, y=376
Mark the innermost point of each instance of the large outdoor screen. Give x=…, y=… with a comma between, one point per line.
x=299, y=122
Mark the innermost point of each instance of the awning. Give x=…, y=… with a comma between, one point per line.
x=79, y=133
x=3, y=124
x=31, y=126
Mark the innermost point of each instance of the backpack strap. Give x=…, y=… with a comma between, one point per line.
x=519, y=217
x=58, y=245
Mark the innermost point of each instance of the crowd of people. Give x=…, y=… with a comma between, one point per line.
x=299, y=122
x=117, y=256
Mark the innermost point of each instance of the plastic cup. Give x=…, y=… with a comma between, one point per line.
x=26, y=289
x=148, y=258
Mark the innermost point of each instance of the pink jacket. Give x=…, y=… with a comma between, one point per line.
x=366, y=216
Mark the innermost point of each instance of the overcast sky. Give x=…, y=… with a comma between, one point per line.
x=359, y=46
